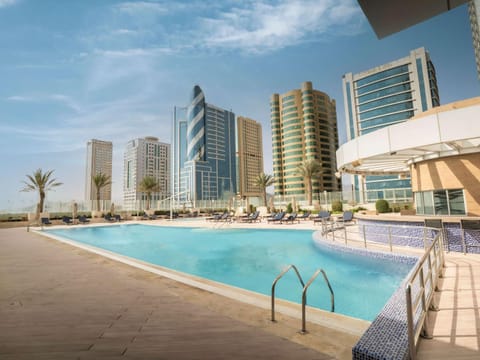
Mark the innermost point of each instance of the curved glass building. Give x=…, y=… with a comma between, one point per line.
x=204, y=156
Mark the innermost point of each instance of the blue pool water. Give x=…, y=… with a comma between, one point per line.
x=252, y=258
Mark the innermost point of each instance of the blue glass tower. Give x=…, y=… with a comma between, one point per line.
x=204, y=143
x=383, y=96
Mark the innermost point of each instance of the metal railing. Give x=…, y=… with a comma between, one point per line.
x=368, y=234
x=419, y=292
x=304, y=296
x=278, y=278
x=304, y=292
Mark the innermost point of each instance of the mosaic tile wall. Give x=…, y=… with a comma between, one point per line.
x=411, y=234
x=387, y=336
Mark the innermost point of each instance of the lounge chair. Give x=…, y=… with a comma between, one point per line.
x=117, y=218
x=305, y=215
x=253, y=217
x=45, y=221
x=278, y=217
x=347, y=217
x=291, y=218
x=67, y=220
x=82, y=219
x=322, y=217
x=152, y=217
x=225, y=217
x=109, y=218
x=215, y=217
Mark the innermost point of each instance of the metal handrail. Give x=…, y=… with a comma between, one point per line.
x=362, y=234
x=433, y=259
x=304, y=296
x=291, y=266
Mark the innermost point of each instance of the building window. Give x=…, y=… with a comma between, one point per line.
x=440, y=202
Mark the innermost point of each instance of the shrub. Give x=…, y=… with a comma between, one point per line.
x=289, y=208
x=382, y=206
x=337, y=206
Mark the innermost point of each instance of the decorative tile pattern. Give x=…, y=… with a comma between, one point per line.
x=387, y=336
x=406, y=233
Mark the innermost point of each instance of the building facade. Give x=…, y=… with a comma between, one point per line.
x=145, y=157
x=204, y=156
x=474, y=14
x=99, y=160
x=249, y=156
x=304, y=126
x=383, y=96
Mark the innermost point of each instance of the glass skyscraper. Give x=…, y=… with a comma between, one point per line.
x=204, y=156
x=386, y=95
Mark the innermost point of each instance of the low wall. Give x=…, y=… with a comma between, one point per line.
x=409, y=231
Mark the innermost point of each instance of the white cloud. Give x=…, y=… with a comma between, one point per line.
x=5, y=3
x=262, y=26
x=134, y=8
x=64, y=99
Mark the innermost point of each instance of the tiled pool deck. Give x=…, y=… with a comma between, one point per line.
x=59, y=302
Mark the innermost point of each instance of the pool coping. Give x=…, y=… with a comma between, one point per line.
x=338, y=322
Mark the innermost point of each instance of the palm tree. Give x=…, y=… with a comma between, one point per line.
x=100, y=181
x=263, y=181
x=148, y=185
x=42, y=183
x=309, y=169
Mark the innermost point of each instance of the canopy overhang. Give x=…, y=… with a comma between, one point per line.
x=449, y=130
x=390, y=16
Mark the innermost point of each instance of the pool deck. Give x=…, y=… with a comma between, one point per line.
x=61, y=302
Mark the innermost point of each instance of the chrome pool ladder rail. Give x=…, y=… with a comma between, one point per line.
x=304, y=296
x=284, y=271
x=304, y=292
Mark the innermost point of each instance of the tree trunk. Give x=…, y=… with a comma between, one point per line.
x=148, y=201
x=42, y=199
x=309, y=191
x=98, y=199
x=265, y=197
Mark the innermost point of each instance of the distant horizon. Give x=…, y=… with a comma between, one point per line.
x=114, y=70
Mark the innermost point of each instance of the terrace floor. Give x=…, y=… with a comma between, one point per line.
x=61, y=302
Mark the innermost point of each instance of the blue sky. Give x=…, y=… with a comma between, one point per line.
x=113, y=70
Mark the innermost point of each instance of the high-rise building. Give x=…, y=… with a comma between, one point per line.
x=249, y=156
x=304, y=126
x=204, y=155
x=145, y=157
x=99, y=160
x=382, y=96
x=474, y=13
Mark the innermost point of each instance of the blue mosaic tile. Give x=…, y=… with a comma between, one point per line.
x=406, y=233
x=387, y=336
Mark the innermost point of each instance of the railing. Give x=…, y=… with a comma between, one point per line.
x=278, y=278
x=419, y=293
x=368, y=234
x=304, y=296
x=304, y=292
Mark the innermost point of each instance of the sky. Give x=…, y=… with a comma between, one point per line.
x=112, y=70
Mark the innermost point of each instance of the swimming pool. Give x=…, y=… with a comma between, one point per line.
x=252, y=258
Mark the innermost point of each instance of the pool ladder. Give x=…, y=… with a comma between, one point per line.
x=304, y=292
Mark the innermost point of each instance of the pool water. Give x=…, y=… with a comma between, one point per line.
x=252, y=258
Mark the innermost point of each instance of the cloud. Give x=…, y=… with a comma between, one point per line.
x=5, y=3
x=64, y=99
x=141, y=7
x=263, y=26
